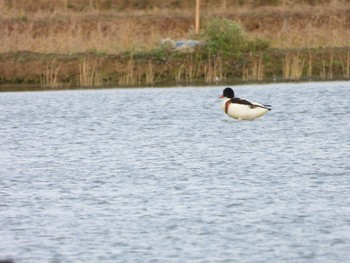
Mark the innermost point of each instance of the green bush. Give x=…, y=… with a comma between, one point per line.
x=226, y=38
x=223, y=37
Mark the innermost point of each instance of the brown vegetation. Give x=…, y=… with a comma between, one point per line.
x=113, y=27
x=88, y=38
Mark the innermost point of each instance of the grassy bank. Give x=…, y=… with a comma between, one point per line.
x=92, y=43
x=101, y=70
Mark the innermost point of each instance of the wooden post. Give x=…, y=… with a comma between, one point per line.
x=224, y=4
x=197, y=16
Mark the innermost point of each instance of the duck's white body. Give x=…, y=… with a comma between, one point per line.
x=242, y=111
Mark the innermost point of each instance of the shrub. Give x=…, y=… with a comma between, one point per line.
x=223, y=37
x=226, y=38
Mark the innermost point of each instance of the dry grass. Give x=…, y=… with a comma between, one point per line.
x=78, y=36
x=213, y=70
x=327, y=67
x=50, y=77
x=89, y=74
x=64, y=28
x=346, y=66
x=193, y=70
x=132, y=73
x=128, y=75
x=332, y=32
x=254, y=70
x=293, y=66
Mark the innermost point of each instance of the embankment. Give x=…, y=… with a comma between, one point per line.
x=29, y=71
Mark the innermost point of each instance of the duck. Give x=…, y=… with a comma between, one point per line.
x=241, y=109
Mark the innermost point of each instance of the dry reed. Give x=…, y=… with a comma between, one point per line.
x=127, y=75
x=179, y=73
x=253, y=70
x=326, y=71
x=190, y=70
x=310, y=66
x=89, y=75
x=150, y=74
x=346, y=67
x=131, y=73
x=213, y=70
x=50, y=76
x=293, y=65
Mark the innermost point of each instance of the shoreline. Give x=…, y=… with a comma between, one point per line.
x=35, y=88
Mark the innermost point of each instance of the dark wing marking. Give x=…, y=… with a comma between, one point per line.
x=241, y=101
x=245, y=102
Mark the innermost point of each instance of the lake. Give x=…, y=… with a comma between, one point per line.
x=163, y=175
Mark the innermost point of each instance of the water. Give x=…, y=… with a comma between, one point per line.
x=163, y=175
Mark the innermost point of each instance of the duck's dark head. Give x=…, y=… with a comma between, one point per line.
x=228, y=93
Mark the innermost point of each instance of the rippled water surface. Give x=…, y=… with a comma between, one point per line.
x=163, y=175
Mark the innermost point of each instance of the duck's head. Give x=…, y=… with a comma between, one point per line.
x=228, y=93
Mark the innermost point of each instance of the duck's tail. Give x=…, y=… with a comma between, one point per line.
x=268, y=107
